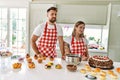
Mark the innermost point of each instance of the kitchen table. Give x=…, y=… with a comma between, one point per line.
x=40, y=73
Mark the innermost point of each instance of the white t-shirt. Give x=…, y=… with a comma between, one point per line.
x=69, y=39
x=40, y=29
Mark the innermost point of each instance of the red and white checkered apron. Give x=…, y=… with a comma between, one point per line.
x=47, y=43
x=78, y=47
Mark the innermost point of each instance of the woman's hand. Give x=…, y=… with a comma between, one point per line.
x=84, y=58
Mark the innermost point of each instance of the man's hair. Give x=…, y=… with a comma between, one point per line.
x=52, y=8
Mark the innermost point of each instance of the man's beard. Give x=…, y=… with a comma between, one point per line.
x=52, y=20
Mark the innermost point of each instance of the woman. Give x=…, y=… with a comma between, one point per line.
x=77, y=44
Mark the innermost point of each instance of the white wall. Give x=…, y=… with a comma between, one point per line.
x=12, y=3
x=114, y=37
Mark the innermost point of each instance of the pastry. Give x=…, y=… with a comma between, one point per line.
x=47, y=66
x=27, y=55
x=58, y=66
x=118, y=69
x=39, y=60
x=35, y=57
x=97, y=69
x=114, y=76
x=110, y=72
x=17, y=65
x=93, y=73
x=103, y=73
x=102, y=77
x=29, y=60
x=50, y=63
x=83, y=71
x=31, y=65
x=87, y=67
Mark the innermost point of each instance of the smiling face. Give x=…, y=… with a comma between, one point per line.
x=80, y=29
x=52, y=16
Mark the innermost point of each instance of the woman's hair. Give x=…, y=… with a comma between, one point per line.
x=76, y=25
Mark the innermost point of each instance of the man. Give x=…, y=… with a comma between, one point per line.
x=46, y=34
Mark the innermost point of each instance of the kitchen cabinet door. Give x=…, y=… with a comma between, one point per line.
x=90, y=14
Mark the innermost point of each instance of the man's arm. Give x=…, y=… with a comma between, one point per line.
x=33, y=43
x=61, y=45
x=67, y=48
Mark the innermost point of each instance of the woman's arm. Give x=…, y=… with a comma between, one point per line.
x=86, y=56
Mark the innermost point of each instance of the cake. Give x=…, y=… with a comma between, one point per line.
x=102, y=62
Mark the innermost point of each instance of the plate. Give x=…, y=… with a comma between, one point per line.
x=91, y=77
x=103, y=68
x=16, y=70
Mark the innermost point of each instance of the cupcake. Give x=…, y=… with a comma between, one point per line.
x=29, y=60
x=39, y=60
x=51, y=58
x=27, y=55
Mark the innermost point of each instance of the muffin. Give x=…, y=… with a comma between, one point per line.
x=39, y=60
x=35, y=57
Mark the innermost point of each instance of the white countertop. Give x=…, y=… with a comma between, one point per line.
x=40, y=73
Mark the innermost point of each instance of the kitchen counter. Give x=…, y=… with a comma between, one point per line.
x=40, y=73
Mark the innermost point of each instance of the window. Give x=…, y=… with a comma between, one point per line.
x=13, y=29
